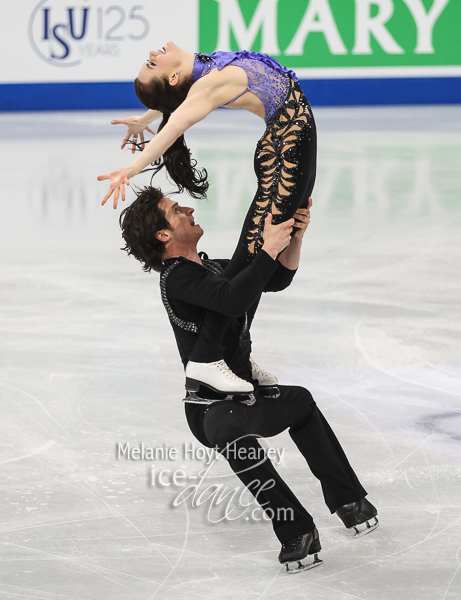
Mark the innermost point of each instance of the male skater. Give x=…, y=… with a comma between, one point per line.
x=163, y=236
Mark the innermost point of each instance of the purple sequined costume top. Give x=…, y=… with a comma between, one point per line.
x=267, y=79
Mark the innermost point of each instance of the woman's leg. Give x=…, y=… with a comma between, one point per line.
x=285, y=164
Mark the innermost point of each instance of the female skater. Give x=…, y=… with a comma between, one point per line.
x=185, y=88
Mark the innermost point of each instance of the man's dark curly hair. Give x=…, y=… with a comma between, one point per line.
x=140, y=222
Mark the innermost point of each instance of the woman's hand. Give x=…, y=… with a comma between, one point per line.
x=136, y=126
x=118, y=178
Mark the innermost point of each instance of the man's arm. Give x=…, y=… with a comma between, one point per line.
x=290, y=257
x=193, y=284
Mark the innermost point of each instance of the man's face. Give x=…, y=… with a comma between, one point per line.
x=181, y=220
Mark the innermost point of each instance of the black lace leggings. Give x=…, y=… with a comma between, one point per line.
x=285, y=165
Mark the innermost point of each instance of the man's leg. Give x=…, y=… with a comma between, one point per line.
x=225, y=426
x=327, y=460
x=295, y=410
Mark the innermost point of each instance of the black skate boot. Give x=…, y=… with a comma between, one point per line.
x=298, y=548
x=360, y=517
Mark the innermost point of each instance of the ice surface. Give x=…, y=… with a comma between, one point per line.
x=371, y=325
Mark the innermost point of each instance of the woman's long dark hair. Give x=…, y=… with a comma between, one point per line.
x=158, y=94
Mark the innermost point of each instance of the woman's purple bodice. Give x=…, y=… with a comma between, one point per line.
x=267, y=79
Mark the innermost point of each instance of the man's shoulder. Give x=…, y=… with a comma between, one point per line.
x=215, y=265
x=181, y=264
x=175, y=269
x=179, y=274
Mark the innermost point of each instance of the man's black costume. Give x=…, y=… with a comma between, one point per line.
x=189, y=288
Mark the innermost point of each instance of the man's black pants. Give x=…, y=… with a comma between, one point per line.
x=235, y=425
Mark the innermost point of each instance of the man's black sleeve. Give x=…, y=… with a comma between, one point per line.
x=192, y=283
x=281, y=279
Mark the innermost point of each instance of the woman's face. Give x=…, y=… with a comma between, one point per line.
x=163, y=62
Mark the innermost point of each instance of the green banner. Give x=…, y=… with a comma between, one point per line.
x=336, y=33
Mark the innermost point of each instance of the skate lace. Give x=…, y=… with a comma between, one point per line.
x=257, y=371
x=292, y=544
x=222, y=366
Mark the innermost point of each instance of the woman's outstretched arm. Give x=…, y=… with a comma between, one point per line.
x=195, y=108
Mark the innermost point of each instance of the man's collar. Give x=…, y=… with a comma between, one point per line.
x=168, y=261
x=201, y=255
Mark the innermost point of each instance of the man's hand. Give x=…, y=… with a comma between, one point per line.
x=276, y=237
x=302, y=219
x=290, y=257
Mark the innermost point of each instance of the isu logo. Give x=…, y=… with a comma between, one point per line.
x=65, y=36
